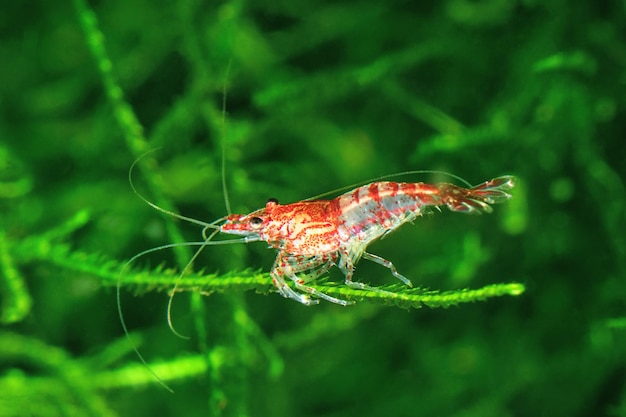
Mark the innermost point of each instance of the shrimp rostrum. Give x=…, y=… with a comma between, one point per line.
x=313, y=236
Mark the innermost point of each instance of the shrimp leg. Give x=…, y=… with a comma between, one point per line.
x=346, y=265
x=387, y=264
x=290, y=265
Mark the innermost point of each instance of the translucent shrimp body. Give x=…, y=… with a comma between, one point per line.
x=313, y=236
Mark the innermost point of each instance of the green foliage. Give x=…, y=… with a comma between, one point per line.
x=317, y=96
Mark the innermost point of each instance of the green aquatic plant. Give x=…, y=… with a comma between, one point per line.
x=317, y=96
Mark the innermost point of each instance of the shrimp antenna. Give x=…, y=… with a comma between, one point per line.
x=154, y=206
x=118, y=290
x=428, y=171
x=205, y=225
x=120, y=314
x=383, y=177
x=224, y=135
x=187, y=267
x=201, y=245
x=170, y=323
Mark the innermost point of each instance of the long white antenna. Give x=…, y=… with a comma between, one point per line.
x=154, y=206
x=118, y=291
x=385, y=177
x=224, y=134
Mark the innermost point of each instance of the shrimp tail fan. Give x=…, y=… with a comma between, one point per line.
x=478, y=199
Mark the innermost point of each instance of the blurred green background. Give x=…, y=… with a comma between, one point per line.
x=319, y=95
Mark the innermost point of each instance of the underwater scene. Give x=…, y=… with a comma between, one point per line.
x=313, y=208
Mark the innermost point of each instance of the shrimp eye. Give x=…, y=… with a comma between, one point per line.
x=256, y=221
x=272, y=200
